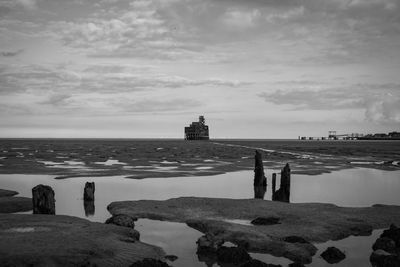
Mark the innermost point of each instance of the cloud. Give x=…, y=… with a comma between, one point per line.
x=239, y=19
x=11, y=53
x=381, y=103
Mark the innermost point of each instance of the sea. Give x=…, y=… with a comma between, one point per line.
x=344, y=173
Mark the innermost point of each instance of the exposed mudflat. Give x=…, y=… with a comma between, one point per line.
x=315, y=222
x=140, y=159
x=9, y=203
x=54, y=240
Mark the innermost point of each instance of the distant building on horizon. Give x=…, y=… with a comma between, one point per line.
x=197, y=130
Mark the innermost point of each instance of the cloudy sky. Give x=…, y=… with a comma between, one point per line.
x=146, y=68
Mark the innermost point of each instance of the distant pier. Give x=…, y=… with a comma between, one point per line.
x=332, y=135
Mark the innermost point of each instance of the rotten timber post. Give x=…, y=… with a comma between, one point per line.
x=259, y=177
x=43, y=200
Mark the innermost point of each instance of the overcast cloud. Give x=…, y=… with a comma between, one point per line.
x=278, y=68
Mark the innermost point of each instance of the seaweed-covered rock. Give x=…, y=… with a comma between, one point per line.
x=333, y=255
x=43, y=200
x=208, y=244
x=265, y=220
x=232, y=255
x=150, y=263
x=381, y=258
x=171, y=257
x=385, y=243
x=122, y=220
x=393, y=233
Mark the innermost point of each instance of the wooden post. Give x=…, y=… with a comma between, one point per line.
x=259, y=177
x=43, y=200
x=88, y=192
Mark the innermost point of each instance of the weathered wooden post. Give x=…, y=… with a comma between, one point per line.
x=43, y=200
x=88, y=205
x=88, y=192
x=259, y=177
x=273, y=183
x=285, y=182
x=259, y=192
x=283, y=193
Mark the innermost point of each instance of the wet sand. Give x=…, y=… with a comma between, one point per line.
x=138, y=159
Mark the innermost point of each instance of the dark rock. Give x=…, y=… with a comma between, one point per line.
x=122, y=220
x=265, y=221
x=259, y=177
x=257, y=263
x=295, y=239
x=296, y=264
x=43, y=200
x=134, y=234
x=171, y=257
x=150, y=263
x=232, y=255
x=381, y=258
x=88, y=192
x=208, y=244
x=393, y=233
x=385, y=244
x=333, y=255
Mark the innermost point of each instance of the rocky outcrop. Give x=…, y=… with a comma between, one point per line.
x=316, y=221
x=333, y=255
x=88, y=191
x=42, y=240
x=259, y=176
x=386, y=244
x=283, y=193
x=387, y=248
x=43, y=200
x=208, y=243
x=122, y=220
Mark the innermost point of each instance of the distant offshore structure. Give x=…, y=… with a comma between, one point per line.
x=197, y=130
x=355, y=136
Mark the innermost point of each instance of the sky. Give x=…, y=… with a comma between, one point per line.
x=147, y=68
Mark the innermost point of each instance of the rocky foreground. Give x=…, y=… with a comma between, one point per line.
x=54, y=240
x=289, y=230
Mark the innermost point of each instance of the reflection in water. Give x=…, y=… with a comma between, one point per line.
x=259, y=192
x=89, y=208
